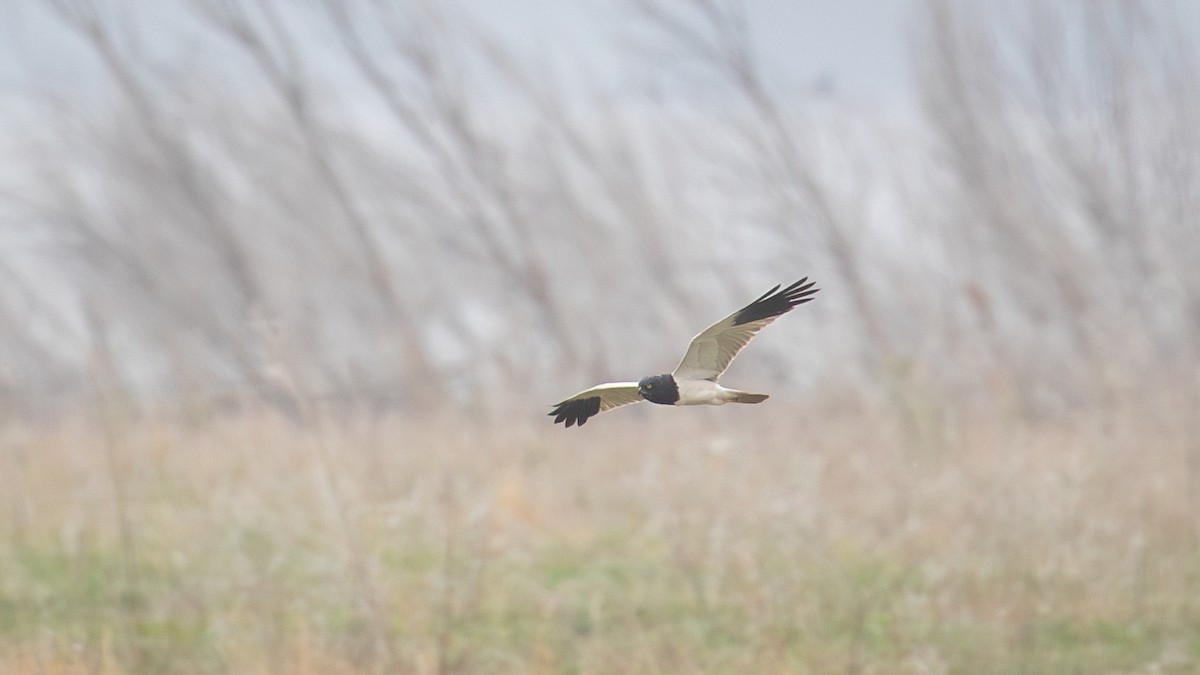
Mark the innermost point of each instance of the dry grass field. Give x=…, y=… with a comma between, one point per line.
x=781, y=538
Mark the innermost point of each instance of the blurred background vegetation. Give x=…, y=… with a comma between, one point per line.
x=288, y=288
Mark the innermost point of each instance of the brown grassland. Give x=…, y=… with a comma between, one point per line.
x=779, y=538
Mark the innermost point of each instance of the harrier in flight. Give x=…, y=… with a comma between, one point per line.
x=694, y=381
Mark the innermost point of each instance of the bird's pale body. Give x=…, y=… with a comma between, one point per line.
x=704, y=392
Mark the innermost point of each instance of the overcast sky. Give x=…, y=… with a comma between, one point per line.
x=859, y=50
x=859, y=47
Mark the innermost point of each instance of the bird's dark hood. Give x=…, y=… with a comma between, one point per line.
x=660, y=389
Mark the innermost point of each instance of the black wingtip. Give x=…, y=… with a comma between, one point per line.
x=576, y=411
x=776, y=302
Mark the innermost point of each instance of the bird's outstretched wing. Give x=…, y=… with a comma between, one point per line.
x=598, y=399
x=713, y=350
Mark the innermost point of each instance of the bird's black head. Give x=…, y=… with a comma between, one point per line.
x=659, y=389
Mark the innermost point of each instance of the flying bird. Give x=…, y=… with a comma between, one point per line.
x=694, y=381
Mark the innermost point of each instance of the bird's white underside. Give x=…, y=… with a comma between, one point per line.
x=703, y=392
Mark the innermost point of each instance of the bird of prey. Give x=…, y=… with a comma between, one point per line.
x=694, y=381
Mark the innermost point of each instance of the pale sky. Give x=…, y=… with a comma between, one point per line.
x=858, y=46
x=859, y=49
x=861, y=46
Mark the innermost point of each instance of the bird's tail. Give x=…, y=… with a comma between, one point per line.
x=747, y=397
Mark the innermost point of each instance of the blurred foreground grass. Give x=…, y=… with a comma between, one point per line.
x=779, y=539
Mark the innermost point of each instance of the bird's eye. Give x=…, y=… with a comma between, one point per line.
x=649, y=386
